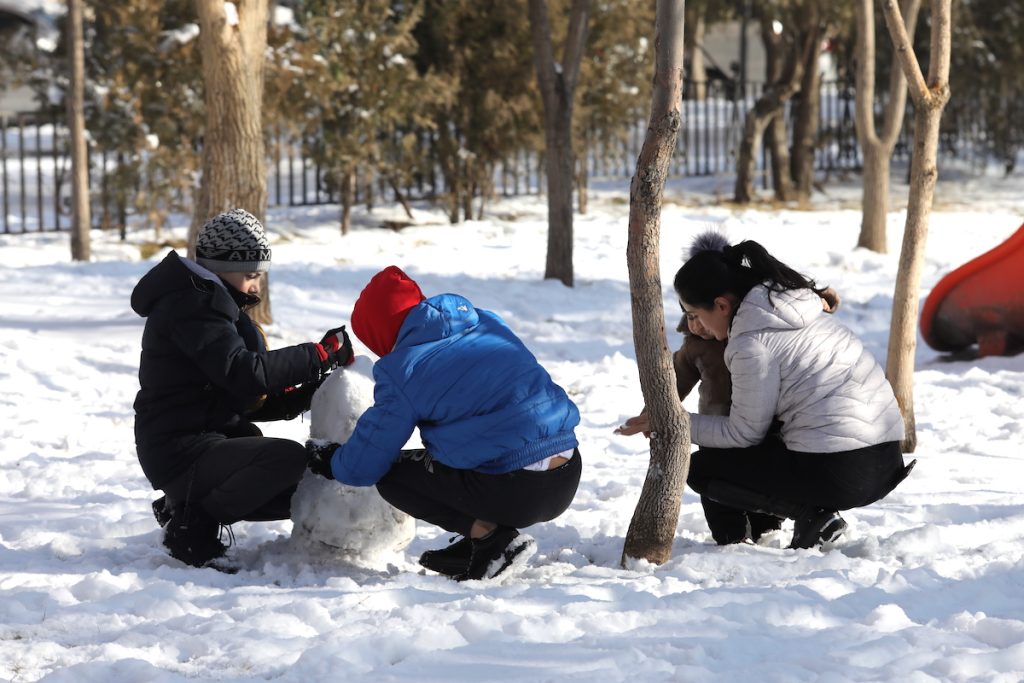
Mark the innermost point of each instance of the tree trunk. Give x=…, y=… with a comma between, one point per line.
x=698, y=76
x=557, y=87
x=784, y=72
x=348, y=191
x=875, y=199
x=778, y=147
x=876, y=148
x=805, y=125
x=653, y=526
x=81, y=220
x=930, y=99
x=234, y=161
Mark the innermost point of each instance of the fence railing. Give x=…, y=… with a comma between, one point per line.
x=34, y=162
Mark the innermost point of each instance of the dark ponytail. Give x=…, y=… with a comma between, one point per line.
x=734, y=269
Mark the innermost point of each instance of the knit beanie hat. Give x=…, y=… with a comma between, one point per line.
x=233, y=242
x=381, y=308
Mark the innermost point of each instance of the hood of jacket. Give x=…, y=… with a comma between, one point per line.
x=175, y=274
x=763, y=309
x=440, y=317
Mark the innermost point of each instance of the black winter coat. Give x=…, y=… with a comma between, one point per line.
x=205, y=369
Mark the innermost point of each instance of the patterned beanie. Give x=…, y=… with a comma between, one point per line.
x=233, y=242
x=382, y=307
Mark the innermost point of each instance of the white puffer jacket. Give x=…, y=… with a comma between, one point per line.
x=791, y=360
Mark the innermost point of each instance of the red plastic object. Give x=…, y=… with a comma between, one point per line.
x=980, y=302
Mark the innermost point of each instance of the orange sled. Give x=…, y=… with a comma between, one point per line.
x=980, y=302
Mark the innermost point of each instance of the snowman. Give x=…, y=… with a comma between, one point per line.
x=328, y=516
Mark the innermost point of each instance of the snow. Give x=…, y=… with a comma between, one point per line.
x=926, y=585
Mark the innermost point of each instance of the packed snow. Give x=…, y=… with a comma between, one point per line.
x=926, y=585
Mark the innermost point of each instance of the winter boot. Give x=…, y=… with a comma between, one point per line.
x=501, y=551
x=813, y=526
x=816, y=527
x=192, y=536
x=451, y=561
x=161, y=511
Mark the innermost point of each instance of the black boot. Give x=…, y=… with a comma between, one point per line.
x=498, y=552
x=192, y=536
x=450, y=561
x=814, y=526
x=161, y=511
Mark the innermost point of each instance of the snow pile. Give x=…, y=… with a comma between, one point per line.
x=353, y=521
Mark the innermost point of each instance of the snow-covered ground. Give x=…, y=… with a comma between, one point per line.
x=927, y=585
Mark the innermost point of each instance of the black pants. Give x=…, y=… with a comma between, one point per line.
x=453, y=499
x=248, y=478
x=830, y=481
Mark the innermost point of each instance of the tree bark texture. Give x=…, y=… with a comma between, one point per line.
x=234, y=159
x=81, y=219
x=653, y=526
x=557, y=86
x=930, y=98
x=877, y=147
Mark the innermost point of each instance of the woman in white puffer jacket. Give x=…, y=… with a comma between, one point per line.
x=813, y=428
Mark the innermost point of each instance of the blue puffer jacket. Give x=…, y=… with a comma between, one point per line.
x=480, y=399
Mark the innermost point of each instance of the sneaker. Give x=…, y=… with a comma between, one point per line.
x=161, y=511
x=450, y=561
x=499, y=552
x=192, y=536
x=816, y=528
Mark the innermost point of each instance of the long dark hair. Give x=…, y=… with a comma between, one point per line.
x=716, y=268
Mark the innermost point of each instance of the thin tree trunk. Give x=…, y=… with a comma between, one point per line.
x=805, y=125
x=399, y=196
x=558, y=86
x=653, y=526
x=234, y=160
x=778, y=147
x=81, y=220
x=698, y=76
x=877, y=148
x=348, y=191
x=930, y=99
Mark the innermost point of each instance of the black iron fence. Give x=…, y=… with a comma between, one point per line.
x=35, y=165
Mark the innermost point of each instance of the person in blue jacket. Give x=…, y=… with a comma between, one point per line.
x=500, y=451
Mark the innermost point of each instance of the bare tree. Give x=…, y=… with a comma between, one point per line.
x=81, y=220
x=876, y=147
x=930, y=98
x=786, y=56
x=557, y=86
x=233, y=41
x=653, y=526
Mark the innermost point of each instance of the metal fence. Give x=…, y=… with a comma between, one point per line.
x=35, y=165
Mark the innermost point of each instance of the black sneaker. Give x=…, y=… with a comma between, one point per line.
x=192, y=536
x=498, y=552
x=161, y=511
x=817, y=527
x=450, y=561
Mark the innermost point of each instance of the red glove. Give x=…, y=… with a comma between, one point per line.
x=335, y=348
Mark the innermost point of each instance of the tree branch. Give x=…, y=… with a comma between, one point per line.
x=905, y=52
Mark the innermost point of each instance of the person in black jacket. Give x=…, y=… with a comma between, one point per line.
x=205, y=376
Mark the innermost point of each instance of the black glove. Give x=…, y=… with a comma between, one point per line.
x=319, y=453
x=336, y=348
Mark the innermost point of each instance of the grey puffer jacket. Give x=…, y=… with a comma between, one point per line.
x=790, y=360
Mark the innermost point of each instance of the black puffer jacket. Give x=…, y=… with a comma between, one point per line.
x=205, y=369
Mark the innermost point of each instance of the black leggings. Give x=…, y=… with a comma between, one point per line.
x=248, y=478
x=453, y=499
x=830, y=481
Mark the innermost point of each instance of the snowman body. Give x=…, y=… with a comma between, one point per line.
x=353, y=521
